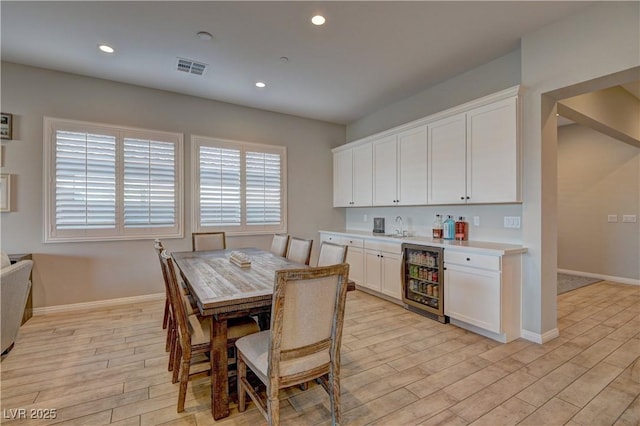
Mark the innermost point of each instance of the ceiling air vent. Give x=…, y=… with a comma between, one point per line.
x=191, y=67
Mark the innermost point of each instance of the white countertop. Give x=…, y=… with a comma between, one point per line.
x=486, y=247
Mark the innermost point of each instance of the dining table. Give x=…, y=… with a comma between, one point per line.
x=224, y=290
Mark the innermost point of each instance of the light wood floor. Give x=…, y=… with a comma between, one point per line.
x=108, y=366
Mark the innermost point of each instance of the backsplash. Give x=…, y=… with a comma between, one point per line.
x=418, y=221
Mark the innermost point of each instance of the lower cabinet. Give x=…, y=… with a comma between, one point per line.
x=382, y=267
x=482, y=293
x=355, y=254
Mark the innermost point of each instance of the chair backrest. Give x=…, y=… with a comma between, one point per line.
x=306, y=320
x=331, y=254
x=175, y=298
x=279, y=244
x=299, y=250
x=203, y=241
x=14, y=289
x=159, y=248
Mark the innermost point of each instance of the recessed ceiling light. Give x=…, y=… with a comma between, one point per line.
x=106, y=48
x=318, y=20
x=203, y=35
x=261, y=84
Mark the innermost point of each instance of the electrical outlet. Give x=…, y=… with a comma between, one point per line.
x=612, y=218
x=476, y=221
x=512, y=222
x=365, y=218
x=629, y=218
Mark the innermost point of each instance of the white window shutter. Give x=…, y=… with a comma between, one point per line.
x=263, y=193
x=220, y=186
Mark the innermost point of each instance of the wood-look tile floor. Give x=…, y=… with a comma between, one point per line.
x=108, y=366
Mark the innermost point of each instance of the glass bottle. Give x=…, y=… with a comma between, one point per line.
x=449, y=228
x=437, y=227
x=461, y=226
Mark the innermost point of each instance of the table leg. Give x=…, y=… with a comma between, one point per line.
x=219, y=374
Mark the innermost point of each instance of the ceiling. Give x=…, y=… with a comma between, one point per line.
x=366, y=56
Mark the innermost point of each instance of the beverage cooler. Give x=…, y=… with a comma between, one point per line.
x=423, y=280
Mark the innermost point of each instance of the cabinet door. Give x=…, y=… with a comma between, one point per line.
x=391, y=280
x=355, y=259
x=473, y=296
x=385, y=172
x=343, y=178
x=447, y=160
x=362, y=175
x=372, y=268
x=493, y=154
x=412, y=167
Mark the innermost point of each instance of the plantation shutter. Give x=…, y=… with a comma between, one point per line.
x=220, y=186
x=149, y=183
x=263, y=188
x=85, y=181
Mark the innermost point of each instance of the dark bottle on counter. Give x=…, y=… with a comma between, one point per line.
x=462, y=229
x=437, y=227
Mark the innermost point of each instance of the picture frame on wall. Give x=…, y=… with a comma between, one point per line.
x=6, y=125
x=5, y=192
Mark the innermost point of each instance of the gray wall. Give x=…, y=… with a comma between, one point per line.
x=597, y=176
x=67, y=273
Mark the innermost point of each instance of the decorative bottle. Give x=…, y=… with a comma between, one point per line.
x=449, y=228
x=437, y=227
x=461, y=229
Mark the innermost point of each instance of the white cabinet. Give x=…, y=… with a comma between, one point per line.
x=382, y=267
x=355, y=254
x=493, y=153
x=482, y=293
x=474, y=157
x=447, y=160
x=352, y=176
x=400, y=168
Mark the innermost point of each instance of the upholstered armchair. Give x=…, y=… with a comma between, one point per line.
x=14, y=285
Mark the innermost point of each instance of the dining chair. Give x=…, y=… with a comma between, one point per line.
x=194, y=335
x=203, y=241
x=299, y=250
x=303, y=343
x=279, y=244
x=332, y=254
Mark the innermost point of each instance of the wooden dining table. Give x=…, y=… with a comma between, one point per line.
x=224, y=290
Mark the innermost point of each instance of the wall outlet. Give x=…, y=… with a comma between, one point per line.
x=476, y=221
x=629, y=218
x=612, y=218
x=365, y=218
x=512, y=222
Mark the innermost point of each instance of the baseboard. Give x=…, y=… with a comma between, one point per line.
x=540, y=338
x=620, y=280
x=97, y=304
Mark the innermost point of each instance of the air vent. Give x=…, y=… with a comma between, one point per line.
x=191, y=67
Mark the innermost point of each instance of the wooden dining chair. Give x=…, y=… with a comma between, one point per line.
x=279, y=244
x=332, y=254
x=204, y=241
x=194, y=335
x=299, y=250
x=303, y=342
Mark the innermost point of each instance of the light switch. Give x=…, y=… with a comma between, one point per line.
x=612, y=218
x=629, y=218
x=476, y=221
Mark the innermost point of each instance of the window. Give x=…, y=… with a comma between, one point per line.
x=108, y=183
x=238, y=187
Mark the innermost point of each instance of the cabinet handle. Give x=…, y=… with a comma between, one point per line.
x=468, y=259
x=462, y=198
x=468, y=198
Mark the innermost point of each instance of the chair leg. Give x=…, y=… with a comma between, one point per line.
x=184, y=380
x=176, y=363
x=273, y=410
x=165, y=318
x=242, y=373
x=334, y=396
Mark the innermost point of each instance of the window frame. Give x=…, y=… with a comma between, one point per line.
x=52, y=235
x=242, y=229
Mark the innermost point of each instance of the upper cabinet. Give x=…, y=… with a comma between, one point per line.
x=467, y=154
x=400, y=168
x=352, y=177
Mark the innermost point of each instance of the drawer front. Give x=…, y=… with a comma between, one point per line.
x=383, y=246
x=335, y=239
x=353, y=242
x=472, y=260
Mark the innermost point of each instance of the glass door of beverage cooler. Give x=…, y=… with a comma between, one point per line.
x=423, y=278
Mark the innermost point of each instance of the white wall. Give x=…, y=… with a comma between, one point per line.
x=597, y=176
x=66, y=273
x=600, y=40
